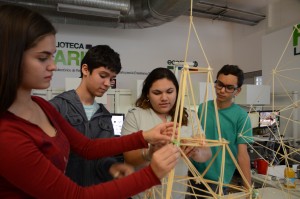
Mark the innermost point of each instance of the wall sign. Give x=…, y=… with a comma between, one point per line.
x=296, y=36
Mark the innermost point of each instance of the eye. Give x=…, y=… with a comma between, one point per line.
x=156, y=92
x=43, y=59
x=230, y=87
x=102, y=75
x=170, y=91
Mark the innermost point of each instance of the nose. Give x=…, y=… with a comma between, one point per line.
x=223, y=89
x=107, y=82
x=52, y=66
x=163, y=96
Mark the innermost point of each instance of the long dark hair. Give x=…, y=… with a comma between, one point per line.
x=154, y=75
x=20, y=30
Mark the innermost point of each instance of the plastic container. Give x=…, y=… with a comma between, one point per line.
x=289, y=177
x=261, y=166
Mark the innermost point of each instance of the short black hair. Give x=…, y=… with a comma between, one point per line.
x=102, y=56
x=233, y=70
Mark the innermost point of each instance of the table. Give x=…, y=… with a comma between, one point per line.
x=266, y=193
x=268, y=181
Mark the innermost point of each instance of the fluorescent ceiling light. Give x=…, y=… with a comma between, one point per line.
x=68, y=8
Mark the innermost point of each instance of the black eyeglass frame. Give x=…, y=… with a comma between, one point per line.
x=228, y=88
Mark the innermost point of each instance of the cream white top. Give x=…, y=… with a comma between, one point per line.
x=144, y=119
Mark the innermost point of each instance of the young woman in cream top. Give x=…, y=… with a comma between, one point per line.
x=156, y=105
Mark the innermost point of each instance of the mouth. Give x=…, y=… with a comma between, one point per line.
x=48, y=77
x=220, y=96
x=164, y=105
x=102, y=90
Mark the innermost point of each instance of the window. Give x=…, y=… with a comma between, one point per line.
x=258, y=80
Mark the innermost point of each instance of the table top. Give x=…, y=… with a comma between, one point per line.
x=266, y=193
x=273, y=193
x=278, y=183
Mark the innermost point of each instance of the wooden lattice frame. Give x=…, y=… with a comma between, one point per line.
x=186, y=91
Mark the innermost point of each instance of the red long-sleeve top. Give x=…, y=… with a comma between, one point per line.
x=32, y=164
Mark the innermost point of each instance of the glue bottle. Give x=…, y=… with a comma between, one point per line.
x=289, y=177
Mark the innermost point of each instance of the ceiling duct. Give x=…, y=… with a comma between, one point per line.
x=212, y=10
x=108, y=13
x=68, y=8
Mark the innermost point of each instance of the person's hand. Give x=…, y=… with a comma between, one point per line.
x=199, y=153
x=188, y=150
x=155, y=147
x=120, y=170
x=147, y=153
x=164, y=160
x=160, y=134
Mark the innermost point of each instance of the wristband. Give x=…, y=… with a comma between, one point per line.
x=146, y=155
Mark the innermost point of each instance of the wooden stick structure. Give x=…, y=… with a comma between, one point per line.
x=284, y=152
x=199, y=140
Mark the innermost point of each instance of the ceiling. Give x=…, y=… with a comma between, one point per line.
x=144, y=13
x=248, y=12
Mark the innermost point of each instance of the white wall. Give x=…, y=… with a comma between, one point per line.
x=260, y=48
x=247, y=46
x=142, y=50
x=281, y=71
x=282, y=13
x=278, y=57
x=247, y=40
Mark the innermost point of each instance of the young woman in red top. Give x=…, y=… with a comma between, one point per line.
x=35, y=140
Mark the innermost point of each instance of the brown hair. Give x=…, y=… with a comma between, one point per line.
x=20, y=30
x=154, y=75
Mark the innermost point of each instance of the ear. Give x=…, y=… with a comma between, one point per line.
x=84, y=69
x=237, y=91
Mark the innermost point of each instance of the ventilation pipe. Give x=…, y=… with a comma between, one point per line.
x=109, y=13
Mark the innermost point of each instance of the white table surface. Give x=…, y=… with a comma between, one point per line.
x=265, y=193
x=267, y=181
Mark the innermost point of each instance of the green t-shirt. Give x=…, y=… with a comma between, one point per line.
x=235, y=128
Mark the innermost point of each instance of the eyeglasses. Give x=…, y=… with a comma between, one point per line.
x=228, y=88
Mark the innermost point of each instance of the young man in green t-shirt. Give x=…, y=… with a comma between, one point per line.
x=235, y=128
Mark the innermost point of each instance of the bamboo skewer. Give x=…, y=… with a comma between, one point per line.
x=186, y=88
